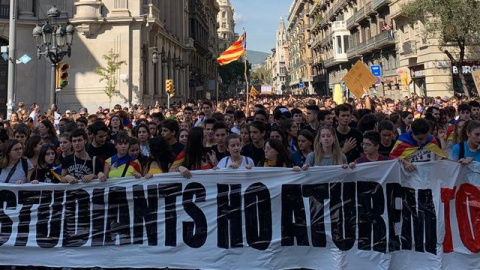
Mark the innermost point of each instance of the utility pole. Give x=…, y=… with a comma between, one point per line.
x=12, y=55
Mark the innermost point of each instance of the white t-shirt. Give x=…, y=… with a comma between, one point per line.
x=34, y=116
x=227, y=161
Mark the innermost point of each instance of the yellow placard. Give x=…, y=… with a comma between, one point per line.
x=338, y=94
x=476, y=79
x=359, y=78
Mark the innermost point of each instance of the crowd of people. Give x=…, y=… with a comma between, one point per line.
x=286, y=131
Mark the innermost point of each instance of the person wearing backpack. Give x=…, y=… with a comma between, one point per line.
x=235, y=160
x=468, y=151
x=121, y=164
x=14, y=169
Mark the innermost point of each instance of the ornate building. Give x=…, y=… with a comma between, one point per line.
x=159, y=40
x=279, y=71
x=375, y=32
x=203, y=30
x=300, y=54
x=226, y=22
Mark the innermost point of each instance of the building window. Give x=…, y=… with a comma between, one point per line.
x=155, y=79
x=339, y=44
x=345, y=44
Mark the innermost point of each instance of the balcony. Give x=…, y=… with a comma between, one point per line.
x=336, y=7
x=376, y=42
x=152, y=11
x=351, y=22
x=360, y=15
x=332, y=61
x=352, y=52
x=369, y=9
x=380, y=3
x=339, y=26
x=4, y=11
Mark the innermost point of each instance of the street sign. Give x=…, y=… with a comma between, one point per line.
x=25, y=59
x=359, y=78
x=302, y=85
x=376, y=70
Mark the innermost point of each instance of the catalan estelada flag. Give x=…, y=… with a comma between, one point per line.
x=254, y=92
x=234, y=52
x=406, y=145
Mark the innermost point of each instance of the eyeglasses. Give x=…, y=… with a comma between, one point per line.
x=363, y=145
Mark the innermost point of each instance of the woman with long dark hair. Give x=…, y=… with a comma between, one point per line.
x=14, y=168
x=161, y=157
x=32, y=149
x=305, y=147
x=196, y=158
x=142, y=132
x=48, y=169
x=275, y=155
x=47, y=131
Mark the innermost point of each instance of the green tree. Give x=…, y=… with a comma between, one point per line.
x=232, y=72
x=452, y=22
x=109, y=74
x=263, y=75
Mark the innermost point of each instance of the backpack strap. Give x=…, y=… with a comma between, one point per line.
x=93, y=163
x=226, y=162
x=462, y=150
x=126, y=167
x=12, y=171
x=25, y=166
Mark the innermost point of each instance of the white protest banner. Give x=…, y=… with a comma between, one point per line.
x=375, y=216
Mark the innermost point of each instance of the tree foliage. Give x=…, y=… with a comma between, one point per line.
x=232, y=72
x=109, y=73
x=262, y=75
x=452, y=21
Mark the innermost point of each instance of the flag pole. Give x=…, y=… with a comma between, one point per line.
x=247, y=85
x=247, y=91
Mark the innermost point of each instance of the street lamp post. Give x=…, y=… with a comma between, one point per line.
x=53, y=42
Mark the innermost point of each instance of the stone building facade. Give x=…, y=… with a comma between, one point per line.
x=342, y=32
x=226, y=23
x=299, y=50
x=183, y=34
x=279, y=70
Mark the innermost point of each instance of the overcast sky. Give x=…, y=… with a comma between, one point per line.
x=261, y=19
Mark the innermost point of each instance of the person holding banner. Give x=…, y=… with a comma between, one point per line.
x=121, y=164
x=468, y=151
x=417, y=145
x=161, y=157
x=275, y=155
x=371, y=144
x=14, y=169
x=235, y=160
x=47, y=169
x=79, y=165
x=195, y=157
x=305, y=145
x=327, y=150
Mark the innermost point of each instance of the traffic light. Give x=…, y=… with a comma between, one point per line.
x=62, y=75
x=170, y=87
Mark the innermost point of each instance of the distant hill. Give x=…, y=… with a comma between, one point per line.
x=256, y=57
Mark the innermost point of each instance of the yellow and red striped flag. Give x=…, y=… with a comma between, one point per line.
x=234, y=52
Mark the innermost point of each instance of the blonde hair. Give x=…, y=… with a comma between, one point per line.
x=318, y=147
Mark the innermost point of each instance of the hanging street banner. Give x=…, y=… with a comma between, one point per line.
x=376, y=216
